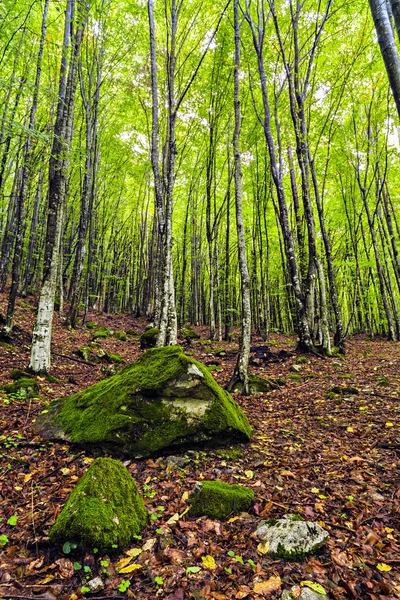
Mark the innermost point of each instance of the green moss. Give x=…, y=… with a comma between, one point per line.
x=90, y=324
x=19, y=374
x=259, y=384
x=104, y=510
x=230, y=453
x=302, y=360
x=132, y=332
x=186, y=332
x=148, y=339
x=114, y=358
x=85, y=352
x=146, y=407
x=52, y=379
x=295, y=377
x=24, y=387
x=101, y=333
x=120, y=335
x=218, y=500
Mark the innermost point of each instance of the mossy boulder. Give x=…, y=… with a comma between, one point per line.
x=85, y=352
x=186, y=332
x=256, y=385
x=25, y=387
x=103, y=511
x=101, y=333
x=148, y=339
x=120, y=335
x=19, y=374
x=163, y=400
x=218, y=500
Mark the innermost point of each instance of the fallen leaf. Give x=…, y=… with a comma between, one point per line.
x=383, y=567
x=263, y=548
x=264, y=588
x=315, y=587
x=209, y=562
x=131, y=568
x=66, y=567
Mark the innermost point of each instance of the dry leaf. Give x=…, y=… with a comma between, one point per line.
x=265, y=588
x=131, y=568
x=65, y=567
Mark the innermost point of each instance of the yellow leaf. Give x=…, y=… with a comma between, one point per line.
x=18, y=488
x=363, y=408
x=383, y=567
x=185, y=496
x=41, y=378
x=209, y=562
x=123, y=562
x=47, y=579
x=27, y=477
x=173, y=519
x=263, y=548
x=315, y=490
x=134, y=552
x=65, y=471
x=350, y=429
x=184, y=512
x=249, y=474
x=389, y=530
x=266, y=587
x=315, y=587
x=147, y=480
x=87, y=460
x=389, y=424
x=233, y=519
x=131, y=568
x=149, y=545
x=44, y=412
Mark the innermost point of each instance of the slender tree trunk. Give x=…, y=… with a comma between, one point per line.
x=241, y=374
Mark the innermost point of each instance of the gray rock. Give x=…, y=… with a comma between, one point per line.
x=291, y=538
x=96, y=584
x=176, y=462
x=307, y=594
x=296, y=368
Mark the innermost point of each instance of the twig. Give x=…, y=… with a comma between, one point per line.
x=60, y=467
x=78, y=360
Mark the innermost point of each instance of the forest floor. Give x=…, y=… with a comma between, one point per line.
x=330, y=458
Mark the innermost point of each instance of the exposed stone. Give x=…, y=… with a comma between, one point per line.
x=104, y=510
x=25, y=387
x=296, y=368
x=291, y=538
x=218, y=500
x=96, y=584
x=307, y=594
x=163, y=400
x=176, y=462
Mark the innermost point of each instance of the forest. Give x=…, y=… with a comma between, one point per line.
x=199, y=299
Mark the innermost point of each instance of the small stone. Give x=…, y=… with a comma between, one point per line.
x=176, y=462
x=307, y=594
x=296, y=368
x=291, y=538
x=96, y=584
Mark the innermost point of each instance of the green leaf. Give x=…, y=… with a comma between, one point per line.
x=68, y=546
x=123, y=586
x=77, y=566
x=3, y=540
x=87, y=569
x=231, y=553
x=252, y=563
x=193, y=569
x=159, y=580
x=12, y=520
x=85, y=589
x=315, y=587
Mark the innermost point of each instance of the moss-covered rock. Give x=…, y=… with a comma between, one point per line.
x=101, y=333
x=19, y=374
x=85, y=352
x=25, y=387
x=132, y=332
x=186, y=332
x=218, y=500
x=163, y=400
x=120, y=335
x=256, y=385
x=148, y=339
x=103, y=511
x=52, y=379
